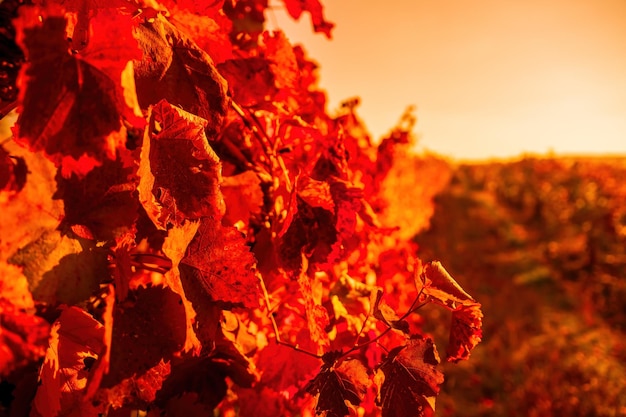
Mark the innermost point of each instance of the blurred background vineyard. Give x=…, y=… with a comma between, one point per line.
x=541, y=243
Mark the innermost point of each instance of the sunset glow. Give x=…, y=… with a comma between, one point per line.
x=489, y=78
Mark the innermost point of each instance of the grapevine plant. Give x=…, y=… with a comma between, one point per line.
x=187, y=231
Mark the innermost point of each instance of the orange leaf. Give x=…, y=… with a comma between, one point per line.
x=72, y=104
x=76, y=342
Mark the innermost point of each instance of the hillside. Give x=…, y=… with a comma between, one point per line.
x=541, y=243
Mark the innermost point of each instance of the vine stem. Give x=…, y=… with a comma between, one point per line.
x=414, y=307
x=7, y=108
x=266, y=298
x=252, y=122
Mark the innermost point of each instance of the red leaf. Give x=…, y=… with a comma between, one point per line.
x=442, y=288
x=282, y=60
x=199, y=7
x=387, y=315
x=261, y=402
x=290, y=373
x=137, y=390
x=174, y=247
x=315, y=193
x=62, y=269
x=250, y=80
x=194, y=375
x=179, y=172
x=316, y=314
x=101, y=367
x=410, y=380
x=312, y=232
x=175, y=69
x=336, y=384
x=348, y=202
x=220, y=260
x=27, y=214
x=76, y=341
x=210, y=31
x=314, y=7
x=243, y=196
x=466, y=328
x=23, y=336
x=207, y=374
x=102, y=205
x=71, y=104
x=465, y=332
x=148, y=329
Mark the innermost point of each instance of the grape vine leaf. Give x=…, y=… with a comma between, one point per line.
x=202, y=7
x=179, y=171
x=135, y=391
x=137, y=345
x=466, y=328
x=250, y=80
x=314, y=7
x=289, y=374
x=23, y=335
x=441, y=287
x=337, y=384
x=465, y=332
x=282, y=60
x=315, y=193
x=243, y=196
x=101, y=205
x=205, y=375
x=220, y=260
x=174, y=247
x=316, y=314
x=18, y=225
x=61, y=269
x=73, y=103
x=261, y=402
x=386, y=314
x=76, y=341
x=175, y=69
x=410, y=380
x=210, y=31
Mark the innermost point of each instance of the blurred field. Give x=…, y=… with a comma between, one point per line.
x=541, y=243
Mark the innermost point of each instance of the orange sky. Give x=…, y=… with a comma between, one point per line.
x=490, y=78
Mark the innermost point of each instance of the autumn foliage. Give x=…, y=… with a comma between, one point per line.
x=186, y=230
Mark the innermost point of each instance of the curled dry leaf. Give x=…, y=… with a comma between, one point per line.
x=466, y=328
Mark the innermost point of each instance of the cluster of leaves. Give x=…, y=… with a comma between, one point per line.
x=550, y=232
x=576, y=212
x=185, y=228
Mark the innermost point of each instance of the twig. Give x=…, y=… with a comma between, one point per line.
x=266, y=298
x=252, y=122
